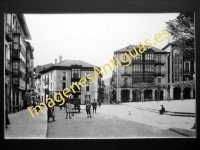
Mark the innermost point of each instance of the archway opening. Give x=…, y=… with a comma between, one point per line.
x=148, y=95
x=125, y=95
x=136, y=96
x=186, y=93
x=159, y=95
x=177, y=93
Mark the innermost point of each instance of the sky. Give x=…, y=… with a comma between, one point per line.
x=91, y=37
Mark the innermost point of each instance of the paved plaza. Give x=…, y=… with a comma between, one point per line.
x=111, y=121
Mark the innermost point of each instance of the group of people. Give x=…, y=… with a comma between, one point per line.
x=69, y=107
x=94, y=106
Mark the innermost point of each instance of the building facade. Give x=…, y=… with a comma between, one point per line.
x=38, y=82
x=16, y=58
x=144, y=79
x=63, y=74
x=181, y=75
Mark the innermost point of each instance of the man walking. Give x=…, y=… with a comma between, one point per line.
x=88, y=106
x=99, y=103
x=72, y=108
x=50, y=112
x=68, y=109
x=94, y=105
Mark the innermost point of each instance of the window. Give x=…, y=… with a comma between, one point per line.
x=137, y=68
x=159, y=58
x=125, y=81
x=149, y=56
x=64, y=85
x=87, y=88
x=159, y=80
x=124, y=58
x=64, y=75
x=15, y=81
x=51, y=87
x=149, y=79
x=86, y=77
x=178, y=77
x=126, y=69
x=187, y=69
x=15, y=65
x=149, y=68
x=76, y=73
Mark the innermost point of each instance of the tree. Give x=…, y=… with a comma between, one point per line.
x=182, y=32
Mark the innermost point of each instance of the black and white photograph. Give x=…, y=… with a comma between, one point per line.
x=99, y=75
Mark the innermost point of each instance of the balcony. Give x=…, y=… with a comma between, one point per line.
x=8, y=65
x=126, y=74
x=20, y=84
x=8, y=33
x=45, y=80
x=159, y=62
x=16, y=54
x=188, y=72
x=75, y=79
x=162, y=73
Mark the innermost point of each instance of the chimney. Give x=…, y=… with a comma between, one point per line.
x=55, y=61
x=60, y=58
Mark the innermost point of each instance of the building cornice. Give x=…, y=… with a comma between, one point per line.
x=24, y=26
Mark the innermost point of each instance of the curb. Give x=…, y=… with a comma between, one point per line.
x=187, y=133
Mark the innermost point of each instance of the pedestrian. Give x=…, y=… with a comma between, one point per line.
x=99, y=103
x=88, y=106
x=94, y=105
x=22, y=105
x=50, y=112
x=68, y=109
x=34, y=104
x=7, y=119
x=72, y=108
x=162, y=111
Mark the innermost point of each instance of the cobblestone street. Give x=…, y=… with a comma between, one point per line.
x=101, y=125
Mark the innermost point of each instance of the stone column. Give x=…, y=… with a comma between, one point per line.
x=191, y=94
x=142, y=96
x=153, y=94
x=171, y=96
x=182, y=95
x=131, y=96
x=118, y=94
x=20, y=98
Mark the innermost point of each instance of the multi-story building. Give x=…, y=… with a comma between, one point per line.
x=29, y=74
x=16, y=32
x=38, y=82
x=144, y=79
x=63, y=74
x=181, y=74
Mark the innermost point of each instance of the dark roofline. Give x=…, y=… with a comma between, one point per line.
x=167, y=45
x=152, y=48
x=65, y=68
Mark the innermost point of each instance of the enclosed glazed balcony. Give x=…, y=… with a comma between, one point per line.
x=8, y=65
x=8, y=33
